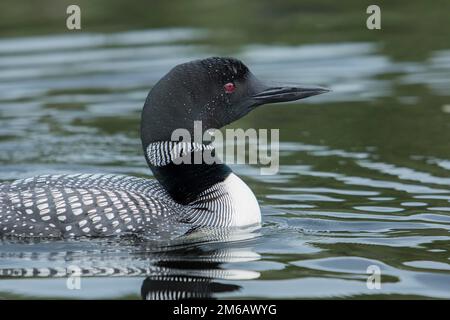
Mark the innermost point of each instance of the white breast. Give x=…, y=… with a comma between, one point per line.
x=245, y=206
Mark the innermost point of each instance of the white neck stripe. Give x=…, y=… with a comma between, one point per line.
x=162, y=153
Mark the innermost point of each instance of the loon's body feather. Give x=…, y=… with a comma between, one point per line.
x=104, y=205
x=85, y=204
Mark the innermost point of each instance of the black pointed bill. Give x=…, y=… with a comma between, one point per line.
x=271, y=94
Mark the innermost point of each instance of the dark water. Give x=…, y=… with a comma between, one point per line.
x=364, y=171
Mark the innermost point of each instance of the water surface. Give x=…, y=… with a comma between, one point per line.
x=364, y=171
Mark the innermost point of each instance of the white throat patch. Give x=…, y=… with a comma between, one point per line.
x=246, y=209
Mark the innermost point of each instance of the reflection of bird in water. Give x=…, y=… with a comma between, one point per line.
x=182, y=287
x=185, y=272
x=198, y=278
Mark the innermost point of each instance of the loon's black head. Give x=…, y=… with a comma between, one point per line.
x=216, y=91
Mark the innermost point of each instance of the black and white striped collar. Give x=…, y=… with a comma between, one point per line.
x=162, y=153
x=184, y=180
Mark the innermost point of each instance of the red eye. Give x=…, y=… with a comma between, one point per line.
x=229, y=87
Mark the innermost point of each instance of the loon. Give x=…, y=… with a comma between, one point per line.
x=184, y=197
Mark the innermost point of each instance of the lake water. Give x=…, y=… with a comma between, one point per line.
x=364, y=175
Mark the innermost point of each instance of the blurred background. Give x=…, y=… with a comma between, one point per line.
x=365, y=170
